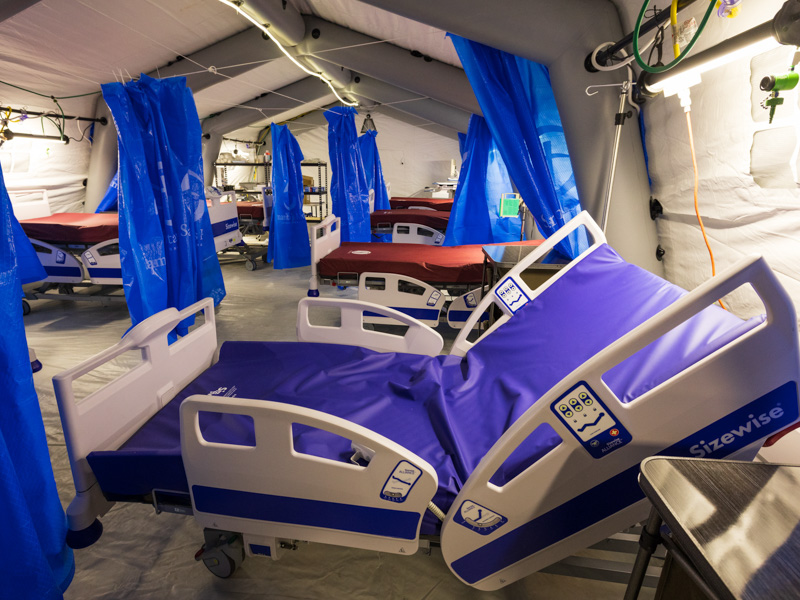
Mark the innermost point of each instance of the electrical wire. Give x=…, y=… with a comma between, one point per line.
x=696, y=205
x=302, y=67
x=673, y=21
x=637, y=29
x=627, y=60
x=48, y=95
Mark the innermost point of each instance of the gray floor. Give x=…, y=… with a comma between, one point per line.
x=142, y=555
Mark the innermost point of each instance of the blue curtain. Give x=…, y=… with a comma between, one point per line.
x=517, y=101
x=288, y=233
x=111, y=197
x=373, y=169
x=166, y=244
x=349, y=191
x=37, y=562
x=483, y=179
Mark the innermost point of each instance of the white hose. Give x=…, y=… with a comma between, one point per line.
x=624, y=63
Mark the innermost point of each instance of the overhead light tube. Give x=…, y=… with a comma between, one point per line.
x=8, y=135
x=750, y=43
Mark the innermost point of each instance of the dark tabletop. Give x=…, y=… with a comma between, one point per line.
x=739, y=522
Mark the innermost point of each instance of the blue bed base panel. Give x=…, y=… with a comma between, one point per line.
x=446, y=409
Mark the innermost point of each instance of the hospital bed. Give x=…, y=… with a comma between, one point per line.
x=518, y=450
x=415, y=279
x=440, y=204
x=82, y=250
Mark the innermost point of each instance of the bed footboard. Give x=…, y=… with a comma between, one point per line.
x=585, y=488
x=104, y=419
x=270, y=490
x=418, y=339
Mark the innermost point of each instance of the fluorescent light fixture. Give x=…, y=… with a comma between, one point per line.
x=750, y=43
x=8, y=135
x=266, y=31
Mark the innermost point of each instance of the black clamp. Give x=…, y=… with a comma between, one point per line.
x=649, y=542
x=619, y=118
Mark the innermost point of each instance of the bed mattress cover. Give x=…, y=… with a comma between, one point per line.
x=429, y=404
x=433, y=264
x=73, y=228
x=254, y=210
x=437, y=219
x=445, y=204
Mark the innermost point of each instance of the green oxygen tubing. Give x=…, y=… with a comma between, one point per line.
x=640, y=61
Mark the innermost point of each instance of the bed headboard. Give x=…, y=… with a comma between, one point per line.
x=325, y=238
x=511, y=292
x=29, y=209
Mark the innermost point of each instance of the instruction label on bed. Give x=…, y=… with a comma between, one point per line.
x=511, y=295
x=61, y=257
x=478, y=518
x=590, y=421
x=434, y=298
x=400, y=482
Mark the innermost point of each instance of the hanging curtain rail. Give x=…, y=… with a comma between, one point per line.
x=647, y=26
x=32, y=113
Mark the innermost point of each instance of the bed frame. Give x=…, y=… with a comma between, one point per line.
x=492, y=535
x=420, y=299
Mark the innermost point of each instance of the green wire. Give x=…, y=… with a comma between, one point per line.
x=640, y=61
x=45, y=95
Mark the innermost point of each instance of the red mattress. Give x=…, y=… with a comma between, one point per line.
x=432, y=264
x=445, y=204
x=437, y=219
x=254, y=210
x=73, y=228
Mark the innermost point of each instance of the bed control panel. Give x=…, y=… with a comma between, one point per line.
x=511, y=295
x=478, y=518
x=434, y=298
x=589, y=420
x=400, y=482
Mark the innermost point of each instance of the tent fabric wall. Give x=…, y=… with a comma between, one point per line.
x=61, y=169
x=741, y=217
x=475, y=216
x=37, y=563
x=411, y=157
x=518, y=103
x=166, y=245
x=288, y=234
x=348, y=189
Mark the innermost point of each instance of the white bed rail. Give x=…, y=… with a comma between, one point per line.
x=411, y=296
x=270, y=490
x=757, y=372
x=325, y=238
x=512, y=284
x=108, y=416
x=102, y=263
x=418, y=339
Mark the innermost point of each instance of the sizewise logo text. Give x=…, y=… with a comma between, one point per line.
x=749, y=427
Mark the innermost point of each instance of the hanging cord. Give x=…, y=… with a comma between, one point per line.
x=696, y=206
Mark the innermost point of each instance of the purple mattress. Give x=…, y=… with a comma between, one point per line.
x=429, y=404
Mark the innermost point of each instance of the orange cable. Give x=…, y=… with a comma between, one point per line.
x=696, y=207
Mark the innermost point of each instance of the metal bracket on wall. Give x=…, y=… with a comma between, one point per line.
x=656, y=210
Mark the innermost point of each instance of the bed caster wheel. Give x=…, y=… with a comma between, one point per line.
x=26, y=308
x=264, y=259
x=250, y=265
x=65, y=288
x=222, y=553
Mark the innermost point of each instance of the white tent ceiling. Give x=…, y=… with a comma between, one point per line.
x=69, y=47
